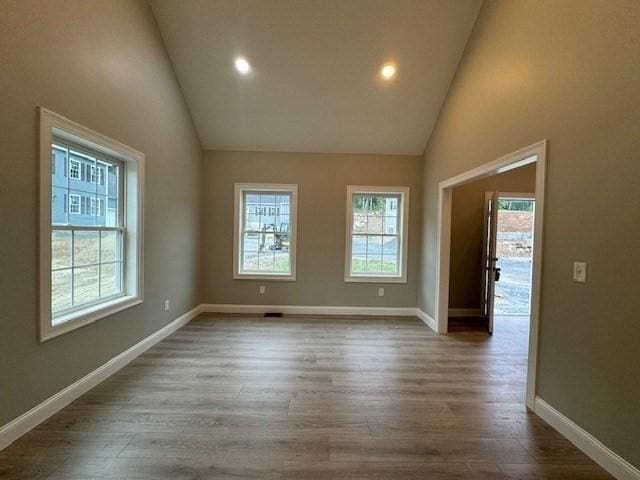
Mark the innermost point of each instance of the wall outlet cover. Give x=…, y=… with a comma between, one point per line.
x=580, y=272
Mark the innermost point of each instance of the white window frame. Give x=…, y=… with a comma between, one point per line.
x=239, y=189
x=73, y=161
x=53, y=125
x=79, y=197
x=403, y=237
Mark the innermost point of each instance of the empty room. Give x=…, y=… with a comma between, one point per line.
x=303, y=239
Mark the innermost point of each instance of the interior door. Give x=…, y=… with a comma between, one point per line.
x=490, y=273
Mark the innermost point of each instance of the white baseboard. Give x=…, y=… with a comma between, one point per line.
x=13, y=430
x=591, y=446
x=427, y=320
x=465, y=312
x=308, y=310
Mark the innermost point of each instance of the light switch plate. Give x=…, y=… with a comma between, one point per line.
x=167, y=305
x=580, y=272
x=262, y=289
x=381, y=292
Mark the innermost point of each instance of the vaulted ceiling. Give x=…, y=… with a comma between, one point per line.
x=315, y=83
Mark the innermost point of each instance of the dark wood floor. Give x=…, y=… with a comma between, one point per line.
x=307, y=398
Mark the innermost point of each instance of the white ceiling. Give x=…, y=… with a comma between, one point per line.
x=315, y=83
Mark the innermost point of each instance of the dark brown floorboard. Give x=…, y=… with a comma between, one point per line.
x=230, y=397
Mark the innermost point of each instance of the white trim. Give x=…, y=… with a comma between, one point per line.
x=465, y=312
x=309, y=310
x=403, y=237
x=426, y=319
x=590, y=445
x=517, y=195
x=38, y=414
x=50, y=125
x=535, y=153
x=238, y=211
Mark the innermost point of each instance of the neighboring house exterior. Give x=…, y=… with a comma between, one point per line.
x=84, y=189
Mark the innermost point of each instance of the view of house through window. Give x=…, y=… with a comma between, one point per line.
x=86, y=229
x=266, y=231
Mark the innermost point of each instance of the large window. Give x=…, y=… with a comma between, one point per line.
x=265, y=231
x=90, y=256
x=377, y=226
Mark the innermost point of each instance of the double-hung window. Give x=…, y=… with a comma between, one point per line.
x=377, y=227
x=265, y=231
x=90, y=257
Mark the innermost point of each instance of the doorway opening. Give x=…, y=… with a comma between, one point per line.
x=514, y=250
x=534, y=154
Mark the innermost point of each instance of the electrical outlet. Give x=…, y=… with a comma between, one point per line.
x=381, y=292
x=580, y=272
x=167, y=305
x=262, y=290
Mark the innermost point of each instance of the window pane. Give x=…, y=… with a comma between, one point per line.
x=110, y=275
x=282, y=262
x=374, y=223
x=283, y=223
x=390, y=264
x=391, y=205
x=359, y=223
x=85, y=248
x=60, y=290
x=391, y=225
x=81, y=173
x=390, y=246
x=111, y=212
x=374, y=263
x=100, y=211
x=284, y=204
x=374, y=245
x=59, y=203
x=109, y=247
x=265, y=261
x=60, y=249
x=359, y=244
x=359, y=263
x=267, y=242
x=85, y=284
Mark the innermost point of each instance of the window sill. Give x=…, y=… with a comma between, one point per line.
x=80, y=318
x=368, y=279
x=285, y=277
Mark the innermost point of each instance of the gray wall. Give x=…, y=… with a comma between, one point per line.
x=467, y=230
x=568, y=72
x=322, y=191
x=102, y=64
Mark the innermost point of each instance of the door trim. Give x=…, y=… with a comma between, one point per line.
x=535, y=153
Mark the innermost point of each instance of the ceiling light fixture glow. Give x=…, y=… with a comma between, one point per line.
x=242, y=65
x=388, y=71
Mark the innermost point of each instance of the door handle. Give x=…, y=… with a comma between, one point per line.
x=496, y=274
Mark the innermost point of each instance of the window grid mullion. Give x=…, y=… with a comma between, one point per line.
x=73, y=261
x=99, y=264
x=61, y=269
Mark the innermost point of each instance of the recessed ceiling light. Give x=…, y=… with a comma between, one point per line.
x=388, y=71
x=242, y=65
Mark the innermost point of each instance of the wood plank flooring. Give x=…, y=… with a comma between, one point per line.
x=230, y=397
